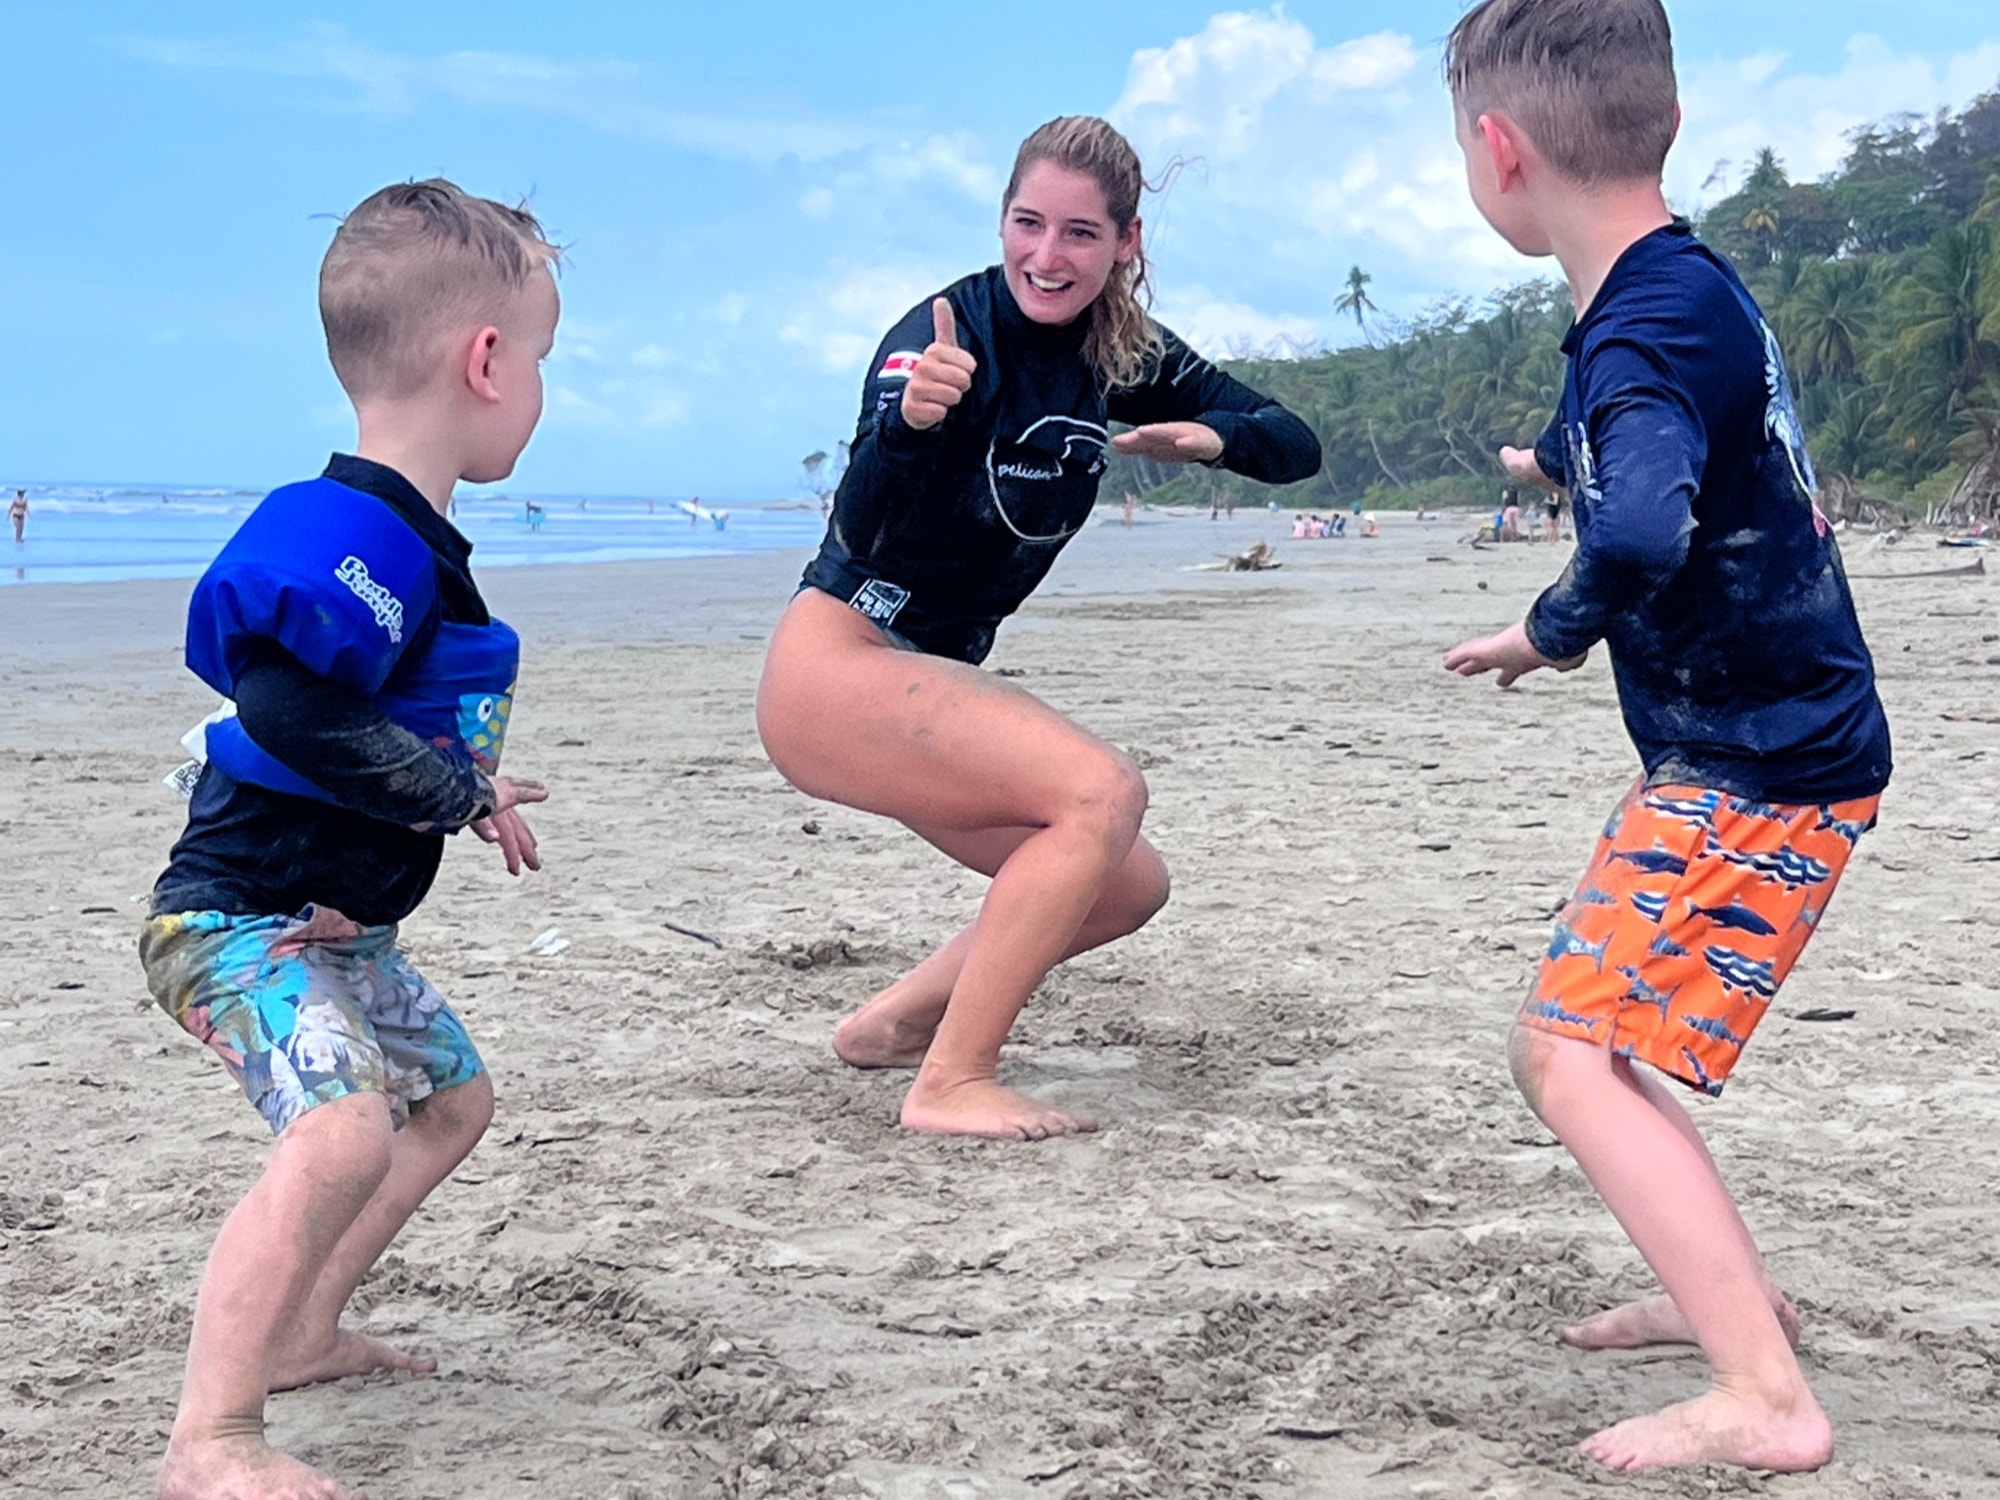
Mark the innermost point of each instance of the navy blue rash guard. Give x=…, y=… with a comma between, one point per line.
x=1702, y=562
x=250, y=851
x=942, y=534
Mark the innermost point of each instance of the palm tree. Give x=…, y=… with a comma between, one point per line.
x=1826, y=322
x=1356, y=300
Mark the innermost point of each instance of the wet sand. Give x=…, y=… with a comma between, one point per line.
x=1319, y=1250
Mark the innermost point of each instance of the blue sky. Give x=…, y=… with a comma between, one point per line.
x=753, y=191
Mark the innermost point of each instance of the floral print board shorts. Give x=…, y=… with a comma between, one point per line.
x=303, y=1010
x=1695, y=908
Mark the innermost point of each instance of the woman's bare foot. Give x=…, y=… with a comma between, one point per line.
x=1721, y=1427
x=982, y=1107
x=876, y=1036
x=241, y=1467
x=1655, y=1320
x=348, y=1354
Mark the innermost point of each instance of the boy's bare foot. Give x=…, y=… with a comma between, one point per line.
x=348, y=1354
x=1655, y=1320
x=873, y=1037
x=983, y=1107
x=1721, y=1427
x=241, y=1467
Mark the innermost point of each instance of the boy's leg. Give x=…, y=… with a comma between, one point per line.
x=271, y=1251
x=1655, y=1320
x=442, y=1131
x=1665, y=1194
x=1681, y=932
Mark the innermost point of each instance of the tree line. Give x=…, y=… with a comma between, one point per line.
x=1882, y=281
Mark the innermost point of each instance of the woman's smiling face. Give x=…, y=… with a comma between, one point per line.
x=1059, y=245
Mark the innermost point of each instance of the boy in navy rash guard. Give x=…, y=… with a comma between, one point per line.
x=1706, y=569
x=372, y=691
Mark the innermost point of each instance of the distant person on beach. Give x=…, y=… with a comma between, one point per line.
x=18, y=514
x=1552, y=510
x=1510, y=513
x=1131, y=502
x=535, y=516
x=1704, y=566
x=981, y=441
x=372, y=691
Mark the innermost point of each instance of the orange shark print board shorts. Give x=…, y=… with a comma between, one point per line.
x=1690, y=916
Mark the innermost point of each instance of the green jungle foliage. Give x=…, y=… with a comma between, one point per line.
x=1882, y=281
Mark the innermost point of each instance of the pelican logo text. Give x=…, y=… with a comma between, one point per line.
x=387, y=607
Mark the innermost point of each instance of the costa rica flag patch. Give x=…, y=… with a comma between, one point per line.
x=899, y=365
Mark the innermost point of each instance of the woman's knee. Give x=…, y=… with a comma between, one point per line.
x=1109, y=791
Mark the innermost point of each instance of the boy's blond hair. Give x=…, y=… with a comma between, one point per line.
x=410, y=266
x=1591, y=82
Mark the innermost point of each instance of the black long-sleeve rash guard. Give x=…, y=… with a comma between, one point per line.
x=941, y=534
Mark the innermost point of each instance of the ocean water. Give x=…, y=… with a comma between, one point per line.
x=88, y=534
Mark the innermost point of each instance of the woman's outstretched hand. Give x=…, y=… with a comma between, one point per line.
x=1171, y=443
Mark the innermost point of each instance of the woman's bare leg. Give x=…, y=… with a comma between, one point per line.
x=894, y=1029
x=946, y=748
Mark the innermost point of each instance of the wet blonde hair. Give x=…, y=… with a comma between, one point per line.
x=1590, y=81
x=409, y=267
x=1124, y=342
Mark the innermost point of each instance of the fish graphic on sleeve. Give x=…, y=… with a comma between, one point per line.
x=1786, y=867
x=1654, y=861
x=1615, y=824
x=1715, y=1028
x=1568, y=943
x=1666, y=947
x=1739, y=971
x=1652, y=908
x=1809, y=916
x=1735, y=915
x=1552, y=1010
x=1595, y=896
x=1699, y=811
x=1643, y=993
x=482, y=727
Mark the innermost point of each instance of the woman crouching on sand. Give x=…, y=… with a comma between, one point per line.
x=982, y=438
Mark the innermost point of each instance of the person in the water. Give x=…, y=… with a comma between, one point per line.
x=983, y=435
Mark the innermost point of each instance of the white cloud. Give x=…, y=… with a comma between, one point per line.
x=840, y=322
x=1225, y=329
x=1308, y=156
x=1734, y=107
x=607, y=95
x=816, y=203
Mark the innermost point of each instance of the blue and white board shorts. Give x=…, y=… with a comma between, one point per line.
x=307, y=1009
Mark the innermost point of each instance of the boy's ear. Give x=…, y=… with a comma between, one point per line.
x=1503, y=142
x=479, y=364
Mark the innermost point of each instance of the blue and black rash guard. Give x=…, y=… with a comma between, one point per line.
x=1702, y=562
x=251, y=851
x=942, y=534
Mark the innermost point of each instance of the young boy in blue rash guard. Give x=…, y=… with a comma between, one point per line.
x=1704, y=566
x=372, y=690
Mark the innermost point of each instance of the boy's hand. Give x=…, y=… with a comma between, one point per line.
x=516, y=791
x=1509, y=653
x=516, y=840
x=1524, y=468
x=943, y=374
x=1172, y=442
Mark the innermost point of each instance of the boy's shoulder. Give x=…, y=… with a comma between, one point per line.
x=1678, y=307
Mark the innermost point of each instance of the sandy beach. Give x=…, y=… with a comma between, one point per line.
x=1320, y=1248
